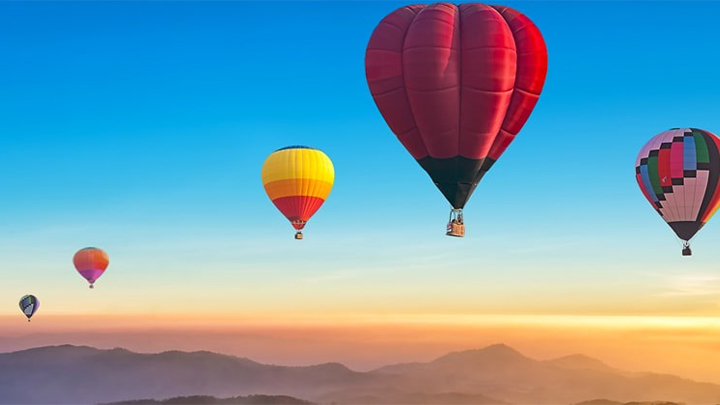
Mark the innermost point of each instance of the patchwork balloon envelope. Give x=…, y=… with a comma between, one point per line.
x=91, y=263
x=456, y=84
x=298, y=180
x=678, y=171
x=29, y=304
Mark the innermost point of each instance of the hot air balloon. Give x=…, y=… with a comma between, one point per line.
x=456, y=84
x=298, y=179
x=91, y=263
x=29, y=304
x=678, y=171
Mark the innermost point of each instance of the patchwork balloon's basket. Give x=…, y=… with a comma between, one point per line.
x=298, y=235
x=686, y=249
x=455, y=225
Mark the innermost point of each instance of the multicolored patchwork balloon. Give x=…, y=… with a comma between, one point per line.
x=29, y=304
x=298, y=179
x=91, y=263
x=678, y=171
x=456, y=84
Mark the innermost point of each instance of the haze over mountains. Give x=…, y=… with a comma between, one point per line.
x=496, y=374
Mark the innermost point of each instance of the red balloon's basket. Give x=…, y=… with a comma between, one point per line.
x=456, y=226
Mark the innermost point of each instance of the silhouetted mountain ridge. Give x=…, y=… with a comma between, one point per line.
x=210, y=400
x=610, y=402
x=498, y=354
x=580, y=361
x=496, y=374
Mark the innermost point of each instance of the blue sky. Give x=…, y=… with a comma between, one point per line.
x=141, y=127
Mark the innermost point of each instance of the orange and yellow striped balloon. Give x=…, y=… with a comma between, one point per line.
x=298, y=179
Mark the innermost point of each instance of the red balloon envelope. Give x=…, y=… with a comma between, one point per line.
x=456, y=84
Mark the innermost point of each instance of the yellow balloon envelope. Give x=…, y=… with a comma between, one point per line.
x=298, y=179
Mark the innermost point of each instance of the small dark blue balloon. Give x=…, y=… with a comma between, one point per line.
x=29, y=304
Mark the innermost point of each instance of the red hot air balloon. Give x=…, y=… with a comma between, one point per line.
x=91, y=263
x=456, y=84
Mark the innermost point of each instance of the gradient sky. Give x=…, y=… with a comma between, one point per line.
x=141, y=128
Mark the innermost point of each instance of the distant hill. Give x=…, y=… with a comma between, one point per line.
x=600, y=402
x=84, y=375
x=210, y=400
x=609, y=402
x=580, y=362
x=497, y=374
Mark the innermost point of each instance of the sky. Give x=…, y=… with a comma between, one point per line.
x=141, y=128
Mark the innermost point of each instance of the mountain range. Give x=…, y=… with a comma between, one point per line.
x=210, y=400
x=496, y=374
